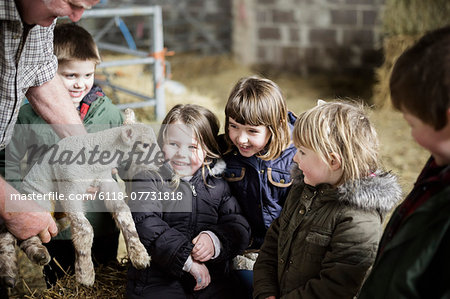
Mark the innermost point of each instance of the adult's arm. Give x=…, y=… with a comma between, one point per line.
x=52, y=102
x=24, y=224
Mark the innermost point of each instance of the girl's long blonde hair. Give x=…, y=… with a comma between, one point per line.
x=256, y=101
x=342, y=128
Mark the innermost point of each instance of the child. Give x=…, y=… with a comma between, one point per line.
x=413, y=260
x=258, y=133
x=327, y=234
x=77, y=58
x=191, y=247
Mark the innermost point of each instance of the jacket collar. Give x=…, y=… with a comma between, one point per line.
x=380, y=192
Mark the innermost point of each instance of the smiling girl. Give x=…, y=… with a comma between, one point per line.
x=259, y=157
x=257, y=130
x=192, y=240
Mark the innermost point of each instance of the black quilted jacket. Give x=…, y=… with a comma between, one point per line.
x=167, y=227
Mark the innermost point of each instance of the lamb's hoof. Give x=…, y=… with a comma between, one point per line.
x=8, y=281
x=41, y=257
x=86, y=280
x=140, y=258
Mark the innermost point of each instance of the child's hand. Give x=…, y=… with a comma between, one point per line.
x=271, y=297
x=204, y=248
x=201, y=275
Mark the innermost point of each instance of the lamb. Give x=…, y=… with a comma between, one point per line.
x=65, y=169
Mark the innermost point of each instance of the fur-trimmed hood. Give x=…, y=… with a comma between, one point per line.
x=380, y=191
x=218, y=167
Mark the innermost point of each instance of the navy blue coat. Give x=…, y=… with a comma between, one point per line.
x=168, y=235
x=261, y=187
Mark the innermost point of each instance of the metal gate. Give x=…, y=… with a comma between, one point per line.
x=155, y=57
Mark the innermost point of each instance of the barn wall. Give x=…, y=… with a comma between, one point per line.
x=308, y=35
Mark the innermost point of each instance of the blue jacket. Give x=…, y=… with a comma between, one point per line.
x=261, y=187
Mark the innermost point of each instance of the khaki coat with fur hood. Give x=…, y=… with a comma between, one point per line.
x=325, y=239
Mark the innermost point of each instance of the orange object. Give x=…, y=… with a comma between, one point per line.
x=161, y=56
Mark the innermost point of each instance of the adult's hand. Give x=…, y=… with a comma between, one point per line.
x=27, y=224
x=24, y=224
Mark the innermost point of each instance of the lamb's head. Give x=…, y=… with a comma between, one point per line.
x=143, y=150
x=130, y=117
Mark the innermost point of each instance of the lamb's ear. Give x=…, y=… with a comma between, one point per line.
x=320, y=102
x=127, y=134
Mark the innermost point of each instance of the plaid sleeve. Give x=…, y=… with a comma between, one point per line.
x=49, y=64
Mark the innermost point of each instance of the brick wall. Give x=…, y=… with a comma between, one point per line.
x=305, y=36
x=340, y=36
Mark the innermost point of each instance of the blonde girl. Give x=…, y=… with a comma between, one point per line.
x=193, y=240
x=327, y=235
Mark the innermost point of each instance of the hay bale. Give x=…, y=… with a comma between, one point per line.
x=393, y=47
x=404, y=21
x=414, y=17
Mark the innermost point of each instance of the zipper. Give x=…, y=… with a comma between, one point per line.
x=193, y=190
x=194, y=209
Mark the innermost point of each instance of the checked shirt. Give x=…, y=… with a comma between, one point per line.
x=26, y=60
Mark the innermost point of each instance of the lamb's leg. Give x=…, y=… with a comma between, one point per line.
x=8, y=258
x=36, y=252
x=82, y=238
x=122, y=215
